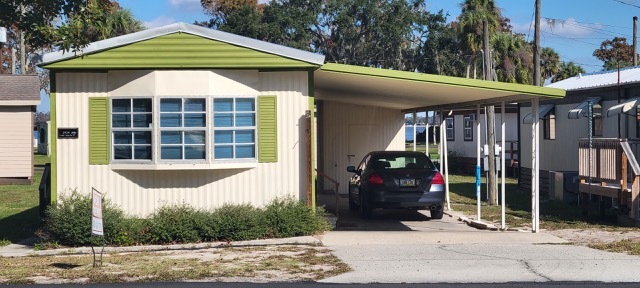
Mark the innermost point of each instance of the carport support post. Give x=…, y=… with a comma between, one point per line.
x=442, y=138
x=477, y=120
x=535, y=169
x=446, y=164
x=415, y=137
x=502, y=164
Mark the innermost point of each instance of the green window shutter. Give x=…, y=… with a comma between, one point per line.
x=267, y=129
x=99, y=142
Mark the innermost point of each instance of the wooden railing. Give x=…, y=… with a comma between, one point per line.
x=336, y=184
x=605, y=159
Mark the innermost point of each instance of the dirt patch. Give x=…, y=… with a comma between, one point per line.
x=292, y=263
x=593, y=236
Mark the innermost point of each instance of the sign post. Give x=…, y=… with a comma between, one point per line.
x=97, y=227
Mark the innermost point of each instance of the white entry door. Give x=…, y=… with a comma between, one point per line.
x=363, y=138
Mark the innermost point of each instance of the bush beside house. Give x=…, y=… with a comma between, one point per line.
x=69, y=223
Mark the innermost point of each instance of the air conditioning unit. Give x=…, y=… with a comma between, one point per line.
x=563, y=186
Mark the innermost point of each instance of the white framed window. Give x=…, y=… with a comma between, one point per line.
x=450, y=129
x=132, y=129
x=468, y=128
x=183, y=129
x=234, y=128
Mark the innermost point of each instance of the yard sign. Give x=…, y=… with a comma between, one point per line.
x=96, y=213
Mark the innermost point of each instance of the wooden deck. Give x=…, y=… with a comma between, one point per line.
x=608, y=167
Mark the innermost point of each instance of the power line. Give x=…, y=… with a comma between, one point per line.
x=589, y=23
x=569, y=38
x=619, y=1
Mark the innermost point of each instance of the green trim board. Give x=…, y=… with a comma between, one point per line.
x=99, y=131
x=267, y=129
x=444, y=80
x=179, y=51
x=53, y=136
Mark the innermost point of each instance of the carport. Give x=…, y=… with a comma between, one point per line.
x=362, y=109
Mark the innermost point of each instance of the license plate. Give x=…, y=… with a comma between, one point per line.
x=407, y=182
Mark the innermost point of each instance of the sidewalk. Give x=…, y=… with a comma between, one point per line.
x=26, y=247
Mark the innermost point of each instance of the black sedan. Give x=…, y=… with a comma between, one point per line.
x=396, y=179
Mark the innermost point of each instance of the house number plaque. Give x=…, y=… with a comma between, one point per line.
x=70, y=133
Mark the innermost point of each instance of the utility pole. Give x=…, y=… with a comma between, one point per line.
x=635, y=40
x=536, y=47
x=491, y=116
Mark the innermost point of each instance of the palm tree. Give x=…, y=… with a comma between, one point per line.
x=550, y=63
x=474, y=12
x=567, y=70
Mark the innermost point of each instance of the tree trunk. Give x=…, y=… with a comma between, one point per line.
x=23, y=55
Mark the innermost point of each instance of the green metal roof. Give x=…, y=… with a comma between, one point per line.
x=182, y=45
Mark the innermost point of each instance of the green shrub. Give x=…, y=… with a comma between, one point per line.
x=238, y=222
x=175, y=224
x=69, y=222
x=290, y=218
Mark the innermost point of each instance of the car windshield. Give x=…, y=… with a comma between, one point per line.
x=412, y=161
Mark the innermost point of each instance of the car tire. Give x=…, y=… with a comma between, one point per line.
x=364, y=208
x=437, y=213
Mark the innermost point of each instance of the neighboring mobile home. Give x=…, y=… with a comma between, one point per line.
x=564, y=122
x=461, y=137
x=183, y=114
x=19, y=96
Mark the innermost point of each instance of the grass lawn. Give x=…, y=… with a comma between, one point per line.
x=553, y=214
x=19, y=211
x=39, y=159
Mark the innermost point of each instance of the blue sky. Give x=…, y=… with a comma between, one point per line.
x=581, y=25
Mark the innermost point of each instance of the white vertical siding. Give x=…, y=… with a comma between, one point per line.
x=142, y=191
x=16, y=142
x=336, y=119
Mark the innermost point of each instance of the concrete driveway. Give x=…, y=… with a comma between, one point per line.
x=398, y=246
x=445, y=251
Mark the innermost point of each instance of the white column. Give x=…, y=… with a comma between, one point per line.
x=535, y=168
x=426, y=139
x=502, y=165
x=414, y=131
x=446, y=165
x=477, y=120
x=443, y=127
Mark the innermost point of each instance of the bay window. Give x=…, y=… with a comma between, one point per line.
x=184, y=129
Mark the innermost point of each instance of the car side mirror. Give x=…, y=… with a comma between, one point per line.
x=352, y=169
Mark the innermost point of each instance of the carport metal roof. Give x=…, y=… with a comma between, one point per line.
x=417, y=91
x=410, y=92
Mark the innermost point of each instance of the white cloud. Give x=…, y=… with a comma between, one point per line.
x=186, y=5
x=160, y=21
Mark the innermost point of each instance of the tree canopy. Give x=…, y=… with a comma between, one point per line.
x=615, y=52
x=394, y=34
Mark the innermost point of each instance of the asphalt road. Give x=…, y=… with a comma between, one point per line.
x=322, y=285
